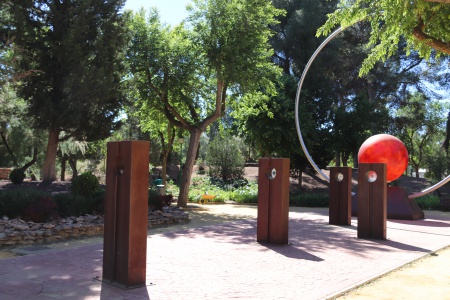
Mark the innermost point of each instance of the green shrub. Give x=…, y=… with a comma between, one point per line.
x=225, y=159
x=85, y=184
x=16, y=176
x=41, y=211
x=14, y=202
x=77, y=205
x=428, y=202
x=309, y=199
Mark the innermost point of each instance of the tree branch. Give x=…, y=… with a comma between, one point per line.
x=429, y=40
x=440, y=1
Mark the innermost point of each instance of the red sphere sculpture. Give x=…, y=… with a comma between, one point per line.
x=385, y=148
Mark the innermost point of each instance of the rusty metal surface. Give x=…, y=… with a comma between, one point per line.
x=400, y=206
x=262, y=225
x=340, y=196
x=273, y=201
x=126, y=209
x=372, y=201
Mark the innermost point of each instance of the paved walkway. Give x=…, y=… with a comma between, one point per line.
x=223, y=260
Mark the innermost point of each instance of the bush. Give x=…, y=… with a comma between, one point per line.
x=16, y=176
x=41, y=211
x=77, y=205
x=225, y=159
x=309, y=199
x=428, y=202
x=85, y=184
x=159, y=201
x=14, y=202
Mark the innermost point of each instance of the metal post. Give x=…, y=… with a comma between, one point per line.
x=273, y=201
x=340, y=196
x=126, y=214
x=372, y=200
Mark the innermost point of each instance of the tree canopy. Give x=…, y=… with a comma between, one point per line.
x=424, y=24
x=190, y=72
x=77, y=47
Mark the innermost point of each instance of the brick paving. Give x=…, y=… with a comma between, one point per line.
x=224, y=261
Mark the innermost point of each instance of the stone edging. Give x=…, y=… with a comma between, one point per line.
x=19, y=232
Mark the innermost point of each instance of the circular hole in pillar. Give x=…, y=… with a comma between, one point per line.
x=339, y=176
x=371, y=176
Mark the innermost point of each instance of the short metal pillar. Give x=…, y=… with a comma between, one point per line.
x=273, y=201
x=372, y=201
x=126, y=214
x=340, y=196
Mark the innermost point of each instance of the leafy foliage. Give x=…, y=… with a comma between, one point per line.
x=16, y=176
x=423, y=24
x=191, y=73
x=428, y=202
x=86, y=184
x=224, y=158
x=41, y=211
x=14, y=202
x=78, y=49
x=309, y=199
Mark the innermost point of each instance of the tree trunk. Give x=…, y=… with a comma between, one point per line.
x=5, y=142
x=49, y=168
x=164, y=166
x=355, y=160
x=417, y=171
x=63, y=167
x=73, y=165
x=32, y=161
x=345, y=157
x=194, y=142
x=338, y=159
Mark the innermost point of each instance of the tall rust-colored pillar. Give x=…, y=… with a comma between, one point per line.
x=340, y=196
x=372, y=200
x=126, y=214
x=273, y=201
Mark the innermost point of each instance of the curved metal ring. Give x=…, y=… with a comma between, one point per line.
x=299, y=132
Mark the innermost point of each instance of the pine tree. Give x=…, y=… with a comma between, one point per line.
x=77, y=48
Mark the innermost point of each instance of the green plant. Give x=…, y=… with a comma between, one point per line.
x=41, y=211
x=76, y=205
x=16, y=176
x=309, y=199
x=225, y=159
x=86, y=184
x=13, y=202
x=428, y=202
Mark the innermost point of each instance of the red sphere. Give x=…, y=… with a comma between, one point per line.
x=385, y=148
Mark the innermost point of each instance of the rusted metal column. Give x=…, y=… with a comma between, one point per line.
x=340, y=196
x=273, y=201
x=126, y=214
x=372, y=200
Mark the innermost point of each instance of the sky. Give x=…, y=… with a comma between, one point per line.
x=171, y=11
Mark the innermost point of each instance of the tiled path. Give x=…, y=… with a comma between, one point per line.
x=223, y=261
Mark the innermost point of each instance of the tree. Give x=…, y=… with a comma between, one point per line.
x=77, y=46
x=423, y=24
x=190, y=73
x=224, y=158
x=417, y=122
x=21, y=143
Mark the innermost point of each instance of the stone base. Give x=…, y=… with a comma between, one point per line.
x=399, y=206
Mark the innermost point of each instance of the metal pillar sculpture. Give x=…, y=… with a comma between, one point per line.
x=372, y=201
x=340, y=196
x=126, y=214
x=273, y=201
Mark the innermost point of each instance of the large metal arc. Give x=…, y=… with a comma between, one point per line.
x=299, y=132
x=297, y=101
